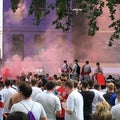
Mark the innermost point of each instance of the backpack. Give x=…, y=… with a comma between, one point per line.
x=30, y=114
x=78, y=69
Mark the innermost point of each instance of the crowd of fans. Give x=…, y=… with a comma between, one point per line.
x=74, y=95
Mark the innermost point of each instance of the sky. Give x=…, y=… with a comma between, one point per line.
x=1, y=25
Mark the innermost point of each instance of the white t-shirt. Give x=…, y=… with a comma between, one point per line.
x=75, y=104
x=50, y=102
x=35, y=91
x=15, y=87
x=115, y=110
x=7, y=92
x=97, y=98
x=116, y=101
x=36, y=108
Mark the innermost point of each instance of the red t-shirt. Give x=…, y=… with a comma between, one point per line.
x=100, y=79
x=61, y=91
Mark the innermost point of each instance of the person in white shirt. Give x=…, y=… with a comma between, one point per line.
x=74, y=104
x=17, y=116
x=27, y=104
x=14, y=84
x=7, y=92
x=115, y=110
x=50, y=102
x=98, y=95
x=35, y=90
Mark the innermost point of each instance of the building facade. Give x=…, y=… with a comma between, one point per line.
x=21, y=37
x=1, y=26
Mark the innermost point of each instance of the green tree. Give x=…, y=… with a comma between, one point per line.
x=92, y=8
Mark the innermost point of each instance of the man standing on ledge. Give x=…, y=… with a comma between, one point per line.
x=86, y=70
x=65, y=68
x=97, y=70
x=76, y=70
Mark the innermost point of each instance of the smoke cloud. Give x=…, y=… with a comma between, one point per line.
x=56, y=48
x=95, y=48
x=49, y=57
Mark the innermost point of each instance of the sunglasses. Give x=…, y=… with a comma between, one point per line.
x=63, y=80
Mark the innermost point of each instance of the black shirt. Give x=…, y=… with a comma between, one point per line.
x=88, y=97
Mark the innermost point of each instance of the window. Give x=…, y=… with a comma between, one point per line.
x=39, y=44
x=18, y=45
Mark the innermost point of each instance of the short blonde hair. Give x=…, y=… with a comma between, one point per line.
x=102, y=106
x=102, y=111
x=111, y=86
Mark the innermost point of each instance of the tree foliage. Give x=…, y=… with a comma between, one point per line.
x=92, y=8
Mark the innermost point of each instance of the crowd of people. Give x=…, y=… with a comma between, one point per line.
x=74, y=95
